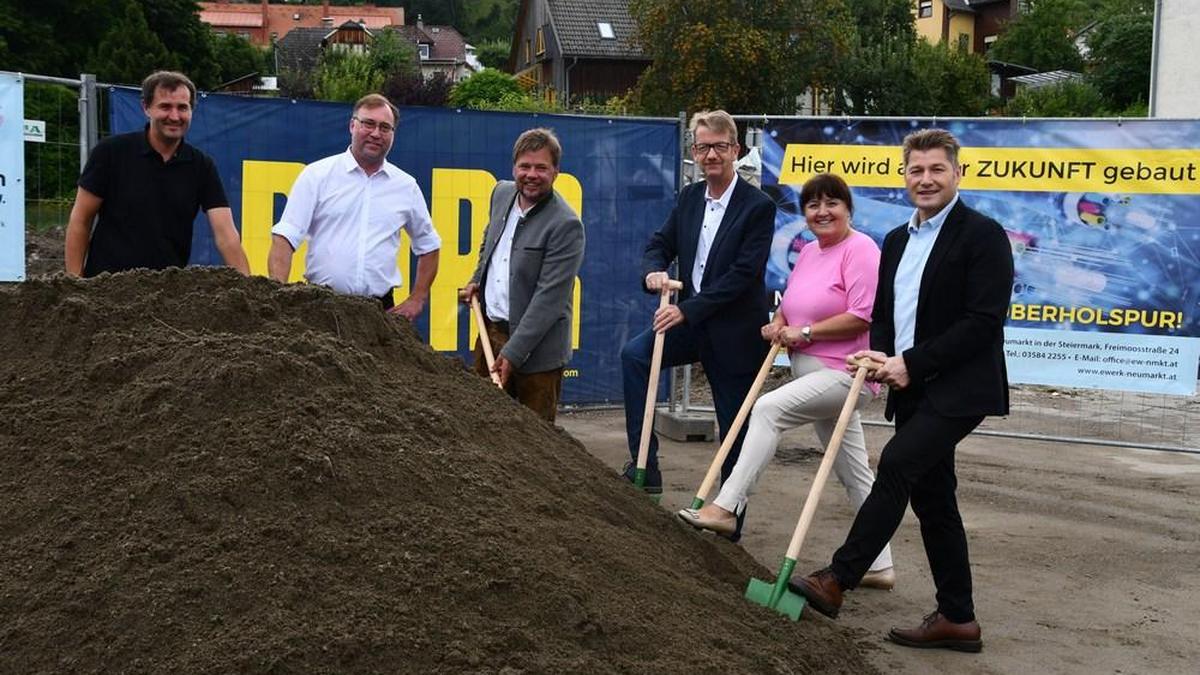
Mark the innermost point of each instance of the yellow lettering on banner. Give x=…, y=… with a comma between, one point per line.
x=261, y=181
x=449, y=188
x=572, y=193
x=1136, y=171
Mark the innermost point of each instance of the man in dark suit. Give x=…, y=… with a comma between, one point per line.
x=531, y=252
x=720, y=234
x=937, y=333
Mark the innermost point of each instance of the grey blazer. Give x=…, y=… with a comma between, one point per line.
x=547, y=253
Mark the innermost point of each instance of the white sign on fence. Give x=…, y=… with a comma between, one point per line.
x=35, y=131
x=12, y=178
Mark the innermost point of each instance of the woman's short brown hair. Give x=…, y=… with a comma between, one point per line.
x=826, y=185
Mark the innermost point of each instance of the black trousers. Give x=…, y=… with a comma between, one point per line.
x=917, y=467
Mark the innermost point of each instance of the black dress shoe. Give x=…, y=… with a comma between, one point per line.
x=938, y=632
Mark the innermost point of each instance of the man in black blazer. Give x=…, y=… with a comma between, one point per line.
x=937, y=333
x=720, y=234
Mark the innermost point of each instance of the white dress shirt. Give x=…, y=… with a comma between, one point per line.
x=714, y=212
x=496, y=293
x=352, y=223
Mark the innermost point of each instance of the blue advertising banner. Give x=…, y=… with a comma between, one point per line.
x=12, y=177
x=621, y=176
x=1103, y=217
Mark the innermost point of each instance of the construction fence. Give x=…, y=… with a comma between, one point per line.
x=1103, y=220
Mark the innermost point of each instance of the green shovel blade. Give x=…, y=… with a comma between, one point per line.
x=789, y=604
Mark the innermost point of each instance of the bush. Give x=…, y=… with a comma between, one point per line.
x=484, y=88
x=345, y=77
x=413, y=89
x=1067, y=99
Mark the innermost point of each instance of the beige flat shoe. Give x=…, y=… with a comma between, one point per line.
x=884, y=579
x=725, y=526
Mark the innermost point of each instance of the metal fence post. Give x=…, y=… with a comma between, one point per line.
x=89, y=117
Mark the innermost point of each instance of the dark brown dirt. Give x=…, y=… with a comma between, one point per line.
x=44, y=250
x=206, y=473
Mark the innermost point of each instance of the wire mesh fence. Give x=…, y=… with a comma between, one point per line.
x=63, y=108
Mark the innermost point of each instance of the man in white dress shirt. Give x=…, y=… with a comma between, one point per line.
x=350, y=207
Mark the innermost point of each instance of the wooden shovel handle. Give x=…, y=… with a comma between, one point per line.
x=486, y=342
x=664, y=299
x=714, y=469
x=831, y=451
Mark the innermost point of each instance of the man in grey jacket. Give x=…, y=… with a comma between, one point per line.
x=532, y=250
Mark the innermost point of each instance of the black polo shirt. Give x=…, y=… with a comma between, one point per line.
x=149, y=205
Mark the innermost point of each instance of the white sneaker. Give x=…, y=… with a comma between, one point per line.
x=884, y=579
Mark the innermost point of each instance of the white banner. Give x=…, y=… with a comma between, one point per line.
x=12, y=178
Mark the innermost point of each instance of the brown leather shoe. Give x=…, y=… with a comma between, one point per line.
x=938, y=632
x=822, y=591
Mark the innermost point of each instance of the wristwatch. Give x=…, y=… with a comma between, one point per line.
x=806, y=333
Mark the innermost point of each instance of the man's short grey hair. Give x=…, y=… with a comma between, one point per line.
x=932, y=139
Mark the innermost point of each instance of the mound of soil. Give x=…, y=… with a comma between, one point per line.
x=202, y=472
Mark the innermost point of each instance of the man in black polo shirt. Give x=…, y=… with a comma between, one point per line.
x=147, y=186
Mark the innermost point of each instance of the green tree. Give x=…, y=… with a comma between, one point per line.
x=177, y=24
x=494, y=53
x=1067, y=99
x=130, y=50
x=487, y=86
x=236, y=57
x=345, y=76
x=391, y=54
x=1043, y=37
x=747, y=57
x=1120, y=53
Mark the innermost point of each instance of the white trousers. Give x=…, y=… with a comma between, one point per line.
x=816, y=397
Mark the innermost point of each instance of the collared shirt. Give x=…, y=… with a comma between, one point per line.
x=149, y=205
x=714, y=212
x=496, y=288
x=907, y=285
x=352, y=223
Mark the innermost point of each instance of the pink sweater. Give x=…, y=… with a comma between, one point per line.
x=831, y=281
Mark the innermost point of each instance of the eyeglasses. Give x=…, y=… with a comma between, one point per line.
x=372, y=125
x=703, y=148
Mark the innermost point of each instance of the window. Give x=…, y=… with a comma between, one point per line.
x=924, y=8
x=424, y=51
x=988, y=41
x=541, y=42
x=528, y=53
x=606, y=31
x=964, y=42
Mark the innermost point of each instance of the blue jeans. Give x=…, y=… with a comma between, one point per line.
x=681, y=346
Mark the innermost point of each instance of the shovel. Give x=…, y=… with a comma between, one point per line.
x=639, y=476
x=484, y=340
x=714, y=469
x=776, y=595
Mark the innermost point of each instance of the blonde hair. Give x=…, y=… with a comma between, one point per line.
x=717, y=121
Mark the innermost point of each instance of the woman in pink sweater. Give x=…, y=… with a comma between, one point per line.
x=824, y=316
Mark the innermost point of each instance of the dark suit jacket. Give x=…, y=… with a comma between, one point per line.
x=957, y=359
x=547, y=252
x=727, y=314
